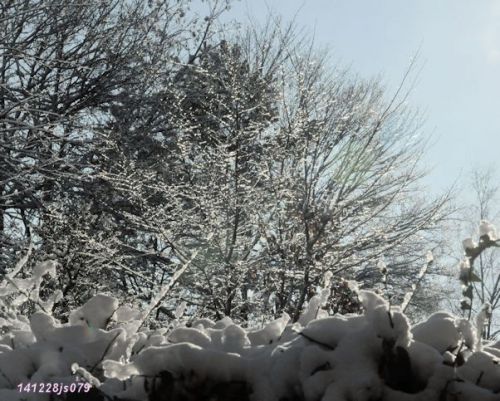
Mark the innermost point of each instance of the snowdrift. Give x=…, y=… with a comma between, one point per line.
x=375, y=356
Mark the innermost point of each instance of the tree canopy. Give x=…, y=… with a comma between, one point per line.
x=134, y=136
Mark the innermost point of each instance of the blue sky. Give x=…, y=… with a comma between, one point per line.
x=458, y=86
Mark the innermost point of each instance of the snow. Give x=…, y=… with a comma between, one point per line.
x=96, y=312
x=270, y=333
x=42, y=325
x=487, y=229
x=194, y=336
x=331, y=330
x=381, y=266
x=374, y=355
x=125, y=313
x=468, y=333
x=439, y=331
x=469, y=243
x=179, y=311
x=482, y=367
x=483, y=317
x=313, y=309
x=47, y=267
x=425, y=359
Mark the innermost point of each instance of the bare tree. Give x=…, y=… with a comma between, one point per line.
x=67, y=70
x=325, y=182
x=134, y=137
x=62, y=64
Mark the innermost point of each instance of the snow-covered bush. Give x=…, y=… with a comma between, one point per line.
x=376, y=355
x=22, y=296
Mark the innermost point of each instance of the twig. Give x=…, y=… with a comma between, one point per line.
x=315, y=341
x=21, y=263
x=478, y=380
x=165, y=289
x=7, y=379
x=409, y=295
x=105, y=352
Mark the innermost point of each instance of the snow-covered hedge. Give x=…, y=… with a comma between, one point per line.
x=373, y=356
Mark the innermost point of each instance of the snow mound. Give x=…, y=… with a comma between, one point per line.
x=372, y=356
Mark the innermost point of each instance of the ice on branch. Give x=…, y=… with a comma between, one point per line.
x=487, y=229
x=469, y=243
